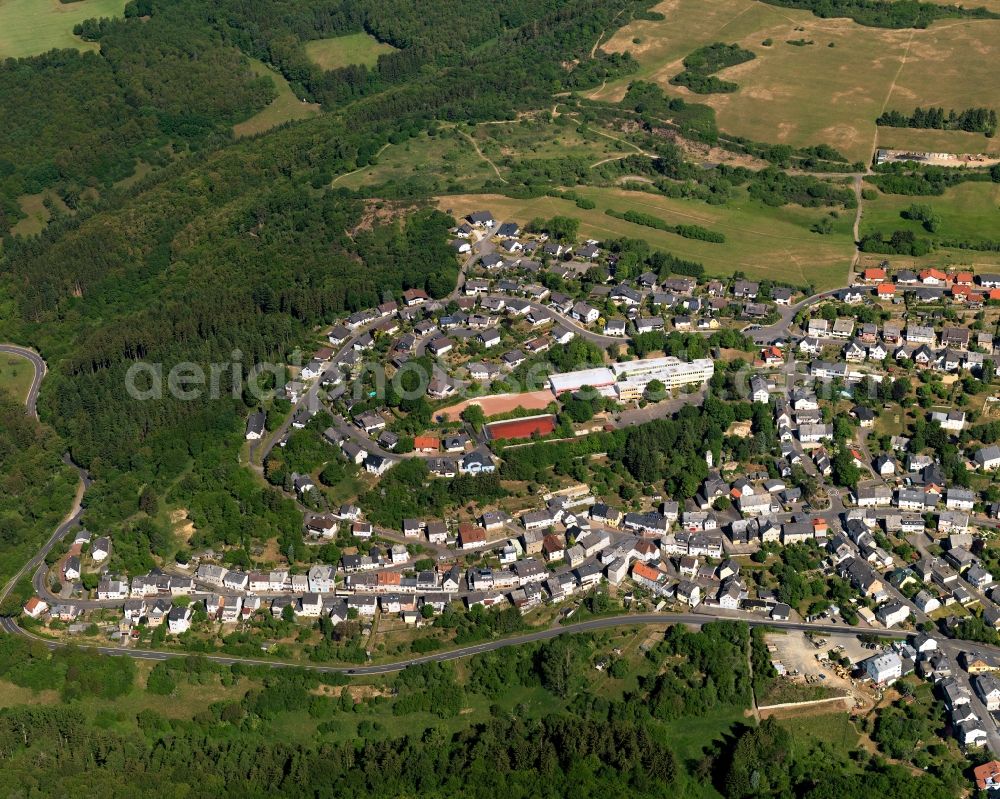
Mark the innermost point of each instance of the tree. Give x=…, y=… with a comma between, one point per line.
x=563, y=228
x=655, y=390
x=149, y=503
x=845, y=470
x=474, y=415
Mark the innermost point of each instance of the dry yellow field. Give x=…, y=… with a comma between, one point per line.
x=817, y=93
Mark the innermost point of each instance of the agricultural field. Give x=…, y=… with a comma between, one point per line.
x=29, y=27
x=286, y=107
x=343, y=51
x=16, y=374
x=854, y=72
x=767, y=243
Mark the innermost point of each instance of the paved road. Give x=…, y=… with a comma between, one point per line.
x=692, y=619
x=40, y=370
x=73, y=517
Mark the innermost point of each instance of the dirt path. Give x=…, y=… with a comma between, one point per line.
x=637, y=149
x=381, y=150
x=482, y=155
x=858, y=185
x=859, y=179
x=613, y=158
x=895, y=78
x=753, y=693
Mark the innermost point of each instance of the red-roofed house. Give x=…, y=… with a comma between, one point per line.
x=426, y=444
x=553, y=548
x=470, y=536
x=873, y=275
x=963, y=278
x=415, y=296
x=885, y=290
x=987, y=775
x=933, y=277
x=771, y=356
x=648, y=576
x=35, y=607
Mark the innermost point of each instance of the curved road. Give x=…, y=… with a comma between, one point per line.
x=692, y=619
x=36, y=381
x=71, y=518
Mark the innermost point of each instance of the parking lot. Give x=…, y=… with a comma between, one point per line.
x=797, y=653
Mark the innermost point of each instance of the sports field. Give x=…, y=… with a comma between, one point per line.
x=343, y=51
x=818, y=93
x=29, y=27
x=763, y=242
x=497, y=404
x=286, y=107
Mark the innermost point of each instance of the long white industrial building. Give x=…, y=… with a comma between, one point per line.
x=628, y=380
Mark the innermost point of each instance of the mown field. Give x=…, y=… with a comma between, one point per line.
x=342, y=51
x=286, y=107
x=830, y=91
x=29, y=27
x=772, y=243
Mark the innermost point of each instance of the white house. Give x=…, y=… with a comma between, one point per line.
x=988, y=458
x=884, y=669
x=35, y=607
x=179, y=619
x=892, y=613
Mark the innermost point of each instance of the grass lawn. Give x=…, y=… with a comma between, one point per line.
x=29, y=27
x=763, y=242
x=968, y=211
x=343, y=51
x=15, y=375
x=346, y=489
x=848, y=84
x=834, y=729
x=689, y=736
x=286, y=107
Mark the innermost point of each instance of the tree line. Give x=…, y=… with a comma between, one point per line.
x=972, y=120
